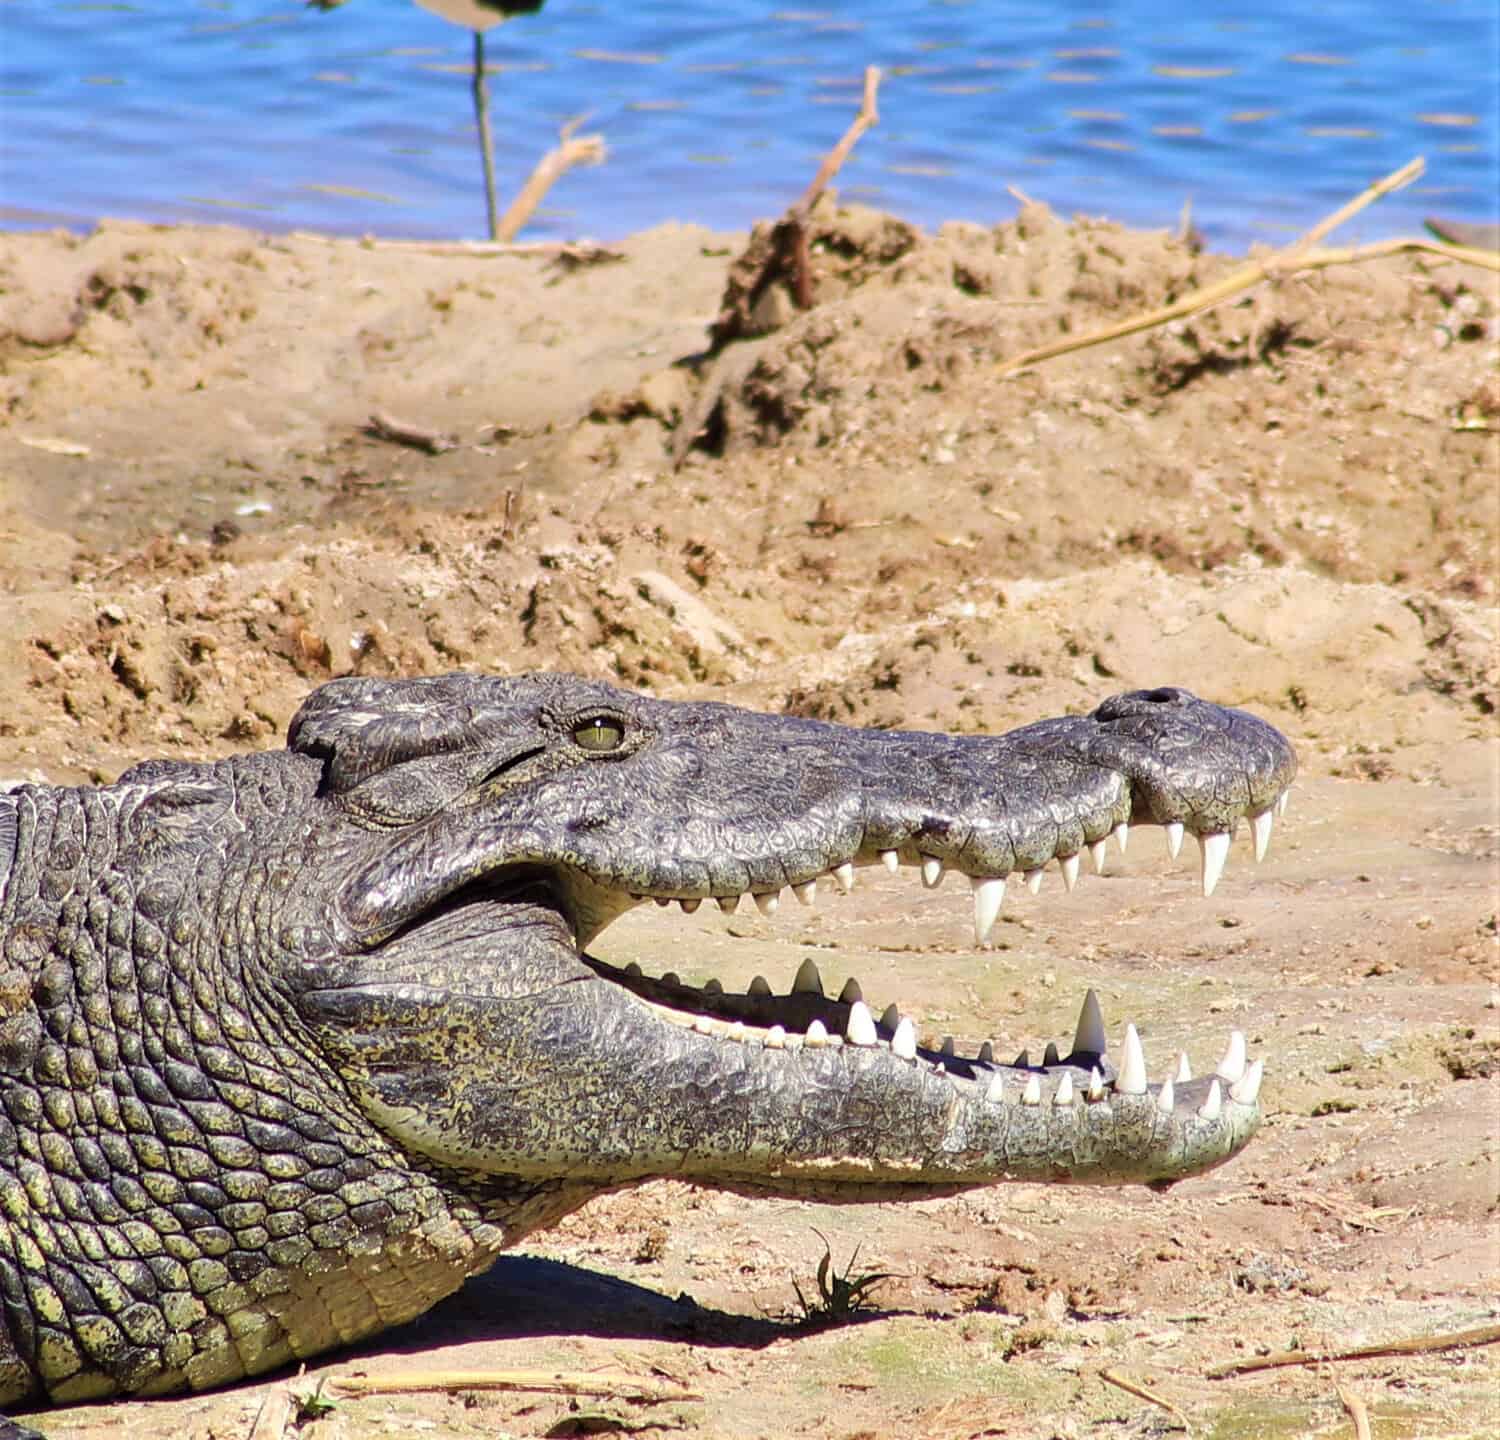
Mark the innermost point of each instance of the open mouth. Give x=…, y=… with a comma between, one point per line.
x=804, y=1017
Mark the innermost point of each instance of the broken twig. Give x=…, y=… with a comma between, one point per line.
x=571, y=150
x=560, y=1382
x=1357, y=1412
x=1418, y=1345
x=1142, y=1393
x=399, y=432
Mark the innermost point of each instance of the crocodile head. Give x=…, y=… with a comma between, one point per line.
x=474, y=835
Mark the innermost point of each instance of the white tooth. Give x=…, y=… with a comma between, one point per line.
x=1069, y=864
x=1174, y=838
x=688, y=906
x=1050, y=1055
x=1096, y=1084
x=1184, y=1070
x=851, y=992
x=671, y=978
x=1034, y=881
x=1209, y=1109
x=1088, y=1038
x=932, y=871
x=1122, y=835
x=843, y=877
x=633, y=969
x=1260, y=831
x=946, y=1048
x=703, y=1025
x=1244, y=1091
x=989, y=895
x=986, y=1054
x=860, y=1028
x=891, y=860
x=1096, y=854
x=807, y=981
x=713, y=986
x=1166, y=1100
x=1281, y=803
x=806, y=893
x=767, y=904
x=1064, y=1094
x=776, y=1038
x=729, y=903
x=995, y=1090
x=1132, y=1077
x=737, y=1031
x=1232, y=1066
x=904, y=1041
x=891, y=1018
x=1213, y=850
x=759, y=986
x=1032, y=1094
x=817, y=1034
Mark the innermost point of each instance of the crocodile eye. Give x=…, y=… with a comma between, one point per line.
x=598, y=733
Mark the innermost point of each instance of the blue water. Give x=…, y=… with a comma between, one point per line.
x=359, y=121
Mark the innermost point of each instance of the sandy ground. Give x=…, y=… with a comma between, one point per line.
x=1289, y=505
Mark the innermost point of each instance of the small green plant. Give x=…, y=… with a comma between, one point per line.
x=311, y=1405
x=839, y=1296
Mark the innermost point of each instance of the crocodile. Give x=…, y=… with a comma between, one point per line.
x=294, y=1042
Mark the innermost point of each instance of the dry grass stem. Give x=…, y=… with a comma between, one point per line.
x=1417, y=1345
x=1298, y=256
x=559, y=1382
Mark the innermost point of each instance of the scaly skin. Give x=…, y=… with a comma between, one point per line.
x=293, y=1043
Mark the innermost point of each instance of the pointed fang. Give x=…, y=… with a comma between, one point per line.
x=1032, y=1095
x=860, y=1029
x=768, y=904
x=891, y=860
x=989, y=895
x=1088, y=1038
x=904, y=1041
x=1209, y=1109
x=1132, y=1078
x=891, y=1018
x=1122, y=835
x=843, y=877
x=1050, y=1055
x=806, y=893
x=1096, y=855
x=986, y=1054
x=776, y=1038
x=808, y=981
x=1281, y=803
x=1064, y=1094
x=995, y=1090
x=1174, y=838
x=1096, y=1084
x=1166, y=1100
x=947, y=1047
x=1184, y=1070
x=817, y=1034
x=851, y=992
x=1022, y=1061
x=1232, y=1067
x=1034, y=881
x=932, y=871
x=1260, y=831
x=1244, y=1092
x=1069, y=866
x=1213, y=851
